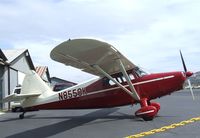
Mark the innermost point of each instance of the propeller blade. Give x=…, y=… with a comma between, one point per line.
x=190, y=86
x=183, y=62
x=188, y=74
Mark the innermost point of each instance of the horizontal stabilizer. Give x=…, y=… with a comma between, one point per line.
x=19, y=97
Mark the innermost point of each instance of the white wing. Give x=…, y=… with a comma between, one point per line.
x=83, y=53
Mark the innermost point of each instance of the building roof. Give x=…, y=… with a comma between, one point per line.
x=13, y=54
x=43, y=70
x=2, y=56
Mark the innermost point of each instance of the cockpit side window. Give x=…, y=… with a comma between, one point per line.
x=135, y=73
x=111, y=82
x=121, y=79
x=131, y=76
x=118, y=79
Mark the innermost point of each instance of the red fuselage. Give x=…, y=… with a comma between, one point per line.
x=101, y=94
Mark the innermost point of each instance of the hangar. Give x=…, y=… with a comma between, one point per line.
x=14, y=64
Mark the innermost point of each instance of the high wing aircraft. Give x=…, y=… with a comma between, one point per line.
x=120, y=81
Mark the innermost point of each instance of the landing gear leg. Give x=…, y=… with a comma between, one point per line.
x=21, y=116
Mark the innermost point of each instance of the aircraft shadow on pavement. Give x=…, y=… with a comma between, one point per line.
x=16, y=119
x=70, y=123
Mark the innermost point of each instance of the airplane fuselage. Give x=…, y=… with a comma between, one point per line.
x=101, y=93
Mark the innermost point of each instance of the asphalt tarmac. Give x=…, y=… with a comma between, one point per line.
x=116, y=122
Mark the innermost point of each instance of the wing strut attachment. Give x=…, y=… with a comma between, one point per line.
x=116, y=82
x=134, y=92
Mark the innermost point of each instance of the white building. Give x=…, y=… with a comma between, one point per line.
x=14, y=64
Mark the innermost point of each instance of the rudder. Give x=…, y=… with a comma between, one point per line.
x=34, y=84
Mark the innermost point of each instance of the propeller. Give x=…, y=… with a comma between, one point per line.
x=187, y=74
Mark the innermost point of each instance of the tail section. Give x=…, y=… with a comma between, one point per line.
x=33, y=86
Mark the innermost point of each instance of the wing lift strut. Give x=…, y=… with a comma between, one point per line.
x=147, y=111
x=133, y=93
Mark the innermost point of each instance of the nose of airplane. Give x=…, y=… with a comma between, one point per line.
x=188, y=73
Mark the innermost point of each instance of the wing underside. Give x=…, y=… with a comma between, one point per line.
x=97, y=58
x=84, y=53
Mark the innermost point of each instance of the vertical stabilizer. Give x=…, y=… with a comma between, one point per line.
x=34, y=84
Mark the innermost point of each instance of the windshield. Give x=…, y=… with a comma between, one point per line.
x=139, y=72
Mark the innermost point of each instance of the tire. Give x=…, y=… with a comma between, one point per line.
x=21, y=116
x=147, y=118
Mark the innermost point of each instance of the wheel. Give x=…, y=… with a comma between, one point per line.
x=21, y=116
x=147, y=113
x=147, y=118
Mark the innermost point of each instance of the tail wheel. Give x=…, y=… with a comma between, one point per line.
x=147, y=112
x=21, y=116
x=156, y=105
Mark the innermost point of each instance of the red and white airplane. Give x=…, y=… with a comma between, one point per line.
x=120, y=81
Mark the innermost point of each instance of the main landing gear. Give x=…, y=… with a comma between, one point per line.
x=148, y=110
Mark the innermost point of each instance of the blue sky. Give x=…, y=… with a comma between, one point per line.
x=149, y=32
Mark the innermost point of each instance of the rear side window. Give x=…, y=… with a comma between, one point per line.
x=61, y=87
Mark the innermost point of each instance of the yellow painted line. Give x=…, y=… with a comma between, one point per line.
x=164, y=128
